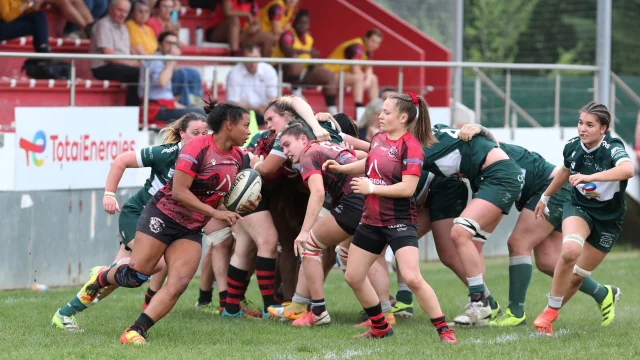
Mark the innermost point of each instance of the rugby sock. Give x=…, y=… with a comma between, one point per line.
x=318, y=307
x=266, y=274
x=440, y=324
x=142, y=324
x=593, y=289
x=386, y=306
x=330, y=100
x=404, y=294
x=148, y=295
x=378, y=321
x=244, y=289
x=205, y=296
x=476, y=288
x=555, y=302
x=519, y=277
x=299, y=299
x=75, y=306
x=223, y=299
x=359, y=110
x=235, y=284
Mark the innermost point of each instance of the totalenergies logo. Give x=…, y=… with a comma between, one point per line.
x=34, y=147
x=75, y=149
x=589, y=190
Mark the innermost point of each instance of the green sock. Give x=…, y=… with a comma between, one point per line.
x=73, y=307
x=404, y=295
x=492, y=302
x=519, y=277
x=593, y=289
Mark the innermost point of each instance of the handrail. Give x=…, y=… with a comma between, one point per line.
x=229, y=59
x=625, y=88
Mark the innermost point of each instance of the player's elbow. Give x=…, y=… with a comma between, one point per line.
x=178, y=193
x=629, y=171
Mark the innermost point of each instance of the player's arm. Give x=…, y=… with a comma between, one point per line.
x=229, y=11
x=316, y=199
x=356, y=143
x=361, y=154
x=304, y=110
x=268, y=166
x=120, y=163
x=561, y=178
x=286, y=44
x=356, y=167
x=468, y=131
x=623, y=171
x=403, y=189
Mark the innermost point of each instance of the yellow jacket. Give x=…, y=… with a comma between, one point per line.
x=10, y=10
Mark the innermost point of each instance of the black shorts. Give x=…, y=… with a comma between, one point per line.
x=374, y=238
x=159, y=226
x=348, y=212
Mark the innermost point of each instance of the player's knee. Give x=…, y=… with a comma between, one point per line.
x=355, y=281
x=517, y=245
x=545, y=266
x=126, y=276
x=177, y=285
x=161, y=265
x=413, y=279
x=449, y=260
x=267, y=242
x=466, y=229
x=313, y=248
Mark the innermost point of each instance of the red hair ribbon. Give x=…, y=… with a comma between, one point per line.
x=414, y=98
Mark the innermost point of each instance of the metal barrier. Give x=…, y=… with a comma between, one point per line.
x=475, y=66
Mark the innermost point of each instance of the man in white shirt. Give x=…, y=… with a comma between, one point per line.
x=252, y=85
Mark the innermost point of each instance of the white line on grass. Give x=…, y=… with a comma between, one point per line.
x=505, y=338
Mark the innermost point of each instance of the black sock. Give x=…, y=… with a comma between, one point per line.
x=378, y=321
x=223, y=299
x=440, y=324
x=478, y=296
x=359, y=105
x=243, y=296
x=235, y=283
x=330, y=100
x=102, y=279
x=266, y=274
x=318, y=307
x=143, y=324
x=148, y=295
x=205, y=296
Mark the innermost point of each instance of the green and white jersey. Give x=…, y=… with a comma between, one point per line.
x=535, y=169
x=336, y=138
x=162, y=161
x=451, y=156
x=603, y=200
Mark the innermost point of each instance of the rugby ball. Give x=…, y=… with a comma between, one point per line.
x=246, y=187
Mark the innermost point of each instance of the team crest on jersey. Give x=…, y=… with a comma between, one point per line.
x=156, y=224
x=586, y=160
x=393, y=152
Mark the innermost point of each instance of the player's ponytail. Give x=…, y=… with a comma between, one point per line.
x=218, y=113
x=171, y=132
x=418, y=119
x=601, y=113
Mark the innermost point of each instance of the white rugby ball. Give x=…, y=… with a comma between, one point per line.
x=246, y=187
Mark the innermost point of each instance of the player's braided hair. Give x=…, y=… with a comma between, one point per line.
x=218, y=113
x=171, y=132
x=600, y=112
x=418, y=120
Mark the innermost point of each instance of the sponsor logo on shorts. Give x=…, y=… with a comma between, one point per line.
x=338, y=209
x=398, y=227
x=156, y=225
x=606, y=239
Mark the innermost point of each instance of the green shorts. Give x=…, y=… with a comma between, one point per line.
x=447, y=198
x=500, y=184
x=555, y=204
x=127, y=222
x=603, y=233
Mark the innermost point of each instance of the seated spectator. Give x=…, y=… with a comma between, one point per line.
x=76, y=12
x=19, y=18
x=187, y=83
x=276, y=16
x=110, y=36
x=298, y=43
x=233, y=15
x=161, y=19
x=369, y=123
x=252, y=85
x=387, y=91
x=97, y=8
x=359, y=49
x=162, y=105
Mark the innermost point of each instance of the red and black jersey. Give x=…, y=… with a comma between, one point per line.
x=356, y=52
x=315, y=154
x=213, y=172
x=387, y=162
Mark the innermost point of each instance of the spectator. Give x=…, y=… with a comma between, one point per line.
x=76, y=12
x=110, y=36
x=19, y=18
x=252, y=85
x=233, y=15
x=186, y=81
x=359, y=49
x=97, y=8
x=161, y=19
x=298, y=43
x=276, y=16
x=162, y=105
x=369, y=123
x=387, y=91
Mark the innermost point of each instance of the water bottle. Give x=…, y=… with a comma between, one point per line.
x=40, y=287
x=199, y=36
x=174, y=17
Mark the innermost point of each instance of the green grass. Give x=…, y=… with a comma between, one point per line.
x=193, y=334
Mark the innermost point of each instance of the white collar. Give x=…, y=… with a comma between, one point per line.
x=594, y=148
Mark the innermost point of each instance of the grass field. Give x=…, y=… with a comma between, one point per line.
x=193, y=334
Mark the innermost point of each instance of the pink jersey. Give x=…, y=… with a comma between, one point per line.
x=387, y=162
x=213, y=173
